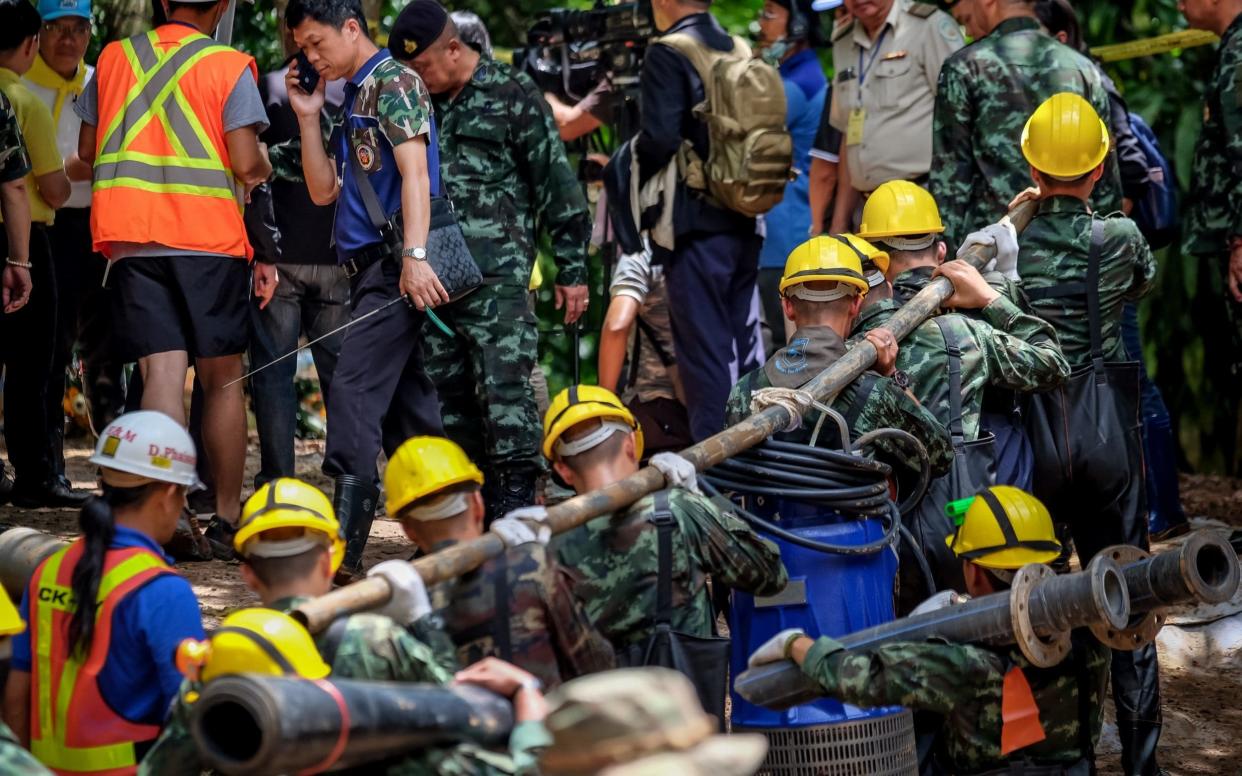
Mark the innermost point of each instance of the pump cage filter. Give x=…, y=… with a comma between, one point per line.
x=875, y=746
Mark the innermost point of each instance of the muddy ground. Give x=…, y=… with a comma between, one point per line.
x=1202, y=703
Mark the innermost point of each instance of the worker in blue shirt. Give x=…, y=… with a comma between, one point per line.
x=381, y=395
x=94, y=675
x=789, y=34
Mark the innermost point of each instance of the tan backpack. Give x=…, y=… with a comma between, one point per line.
x=751, y=151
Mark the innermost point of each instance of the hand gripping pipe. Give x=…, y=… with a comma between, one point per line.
x=1037, y=613
x=255, y=724
x=465, y=557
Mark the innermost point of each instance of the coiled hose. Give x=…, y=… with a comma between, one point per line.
x=848, y=484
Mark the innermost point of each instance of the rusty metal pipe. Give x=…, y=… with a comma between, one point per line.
x=1048, y=607
x=21, y=551
x=467, y=556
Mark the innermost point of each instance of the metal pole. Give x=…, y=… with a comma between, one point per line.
x=467, y=556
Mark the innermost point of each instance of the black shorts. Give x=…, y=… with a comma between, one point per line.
x=198, y=304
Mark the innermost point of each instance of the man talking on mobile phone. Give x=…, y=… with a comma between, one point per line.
x=386, y=147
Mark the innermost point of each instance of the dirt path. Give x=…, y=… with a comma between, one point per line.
x=1203, y=714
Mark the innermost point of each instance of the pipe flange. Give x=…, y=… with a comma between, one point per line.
x=1139, y=632
x=1042, y=652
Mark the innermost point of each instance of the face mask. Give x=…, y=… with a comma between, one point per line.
x=776, y=52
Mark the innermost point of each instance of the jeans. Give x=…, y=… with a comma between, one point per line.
x=311, y=299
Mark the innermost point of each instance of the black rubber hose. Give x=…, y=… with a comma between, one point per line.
x=921, y=559
x=918, y=448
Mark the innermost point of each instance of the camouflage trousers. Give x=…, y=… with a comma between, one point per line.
x=483, y=375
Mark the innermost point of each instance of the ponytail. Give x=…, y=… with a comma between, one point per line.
x=98, y=525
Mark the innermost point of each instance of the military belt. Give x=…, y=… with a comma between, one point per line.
x=363, y=259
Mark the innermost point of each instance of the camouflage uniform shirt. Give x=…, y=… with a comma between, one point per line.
x=504, y=166
x=1006, y=349
x=615, y=562
x=369, y=647
x=963, y=684
x=1214, y=210
x=868, y=403
x=14, y=163
x=1053, y=250
x=14, y=759
x=548, y=631
x=987, y=92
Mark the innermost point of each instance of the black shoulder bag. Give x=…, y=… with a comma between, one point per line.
x=704, y=659
x=447, y=251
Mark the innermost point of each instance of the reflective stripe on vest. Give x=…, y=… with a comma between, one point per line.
x=196, y=168
x=64, y=682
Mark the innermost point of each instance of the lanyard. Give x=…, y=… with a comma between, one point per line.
x=875, y=52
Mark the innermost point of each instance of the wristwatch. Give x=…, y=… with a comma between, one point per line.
x=901, y=378
x=418, y=254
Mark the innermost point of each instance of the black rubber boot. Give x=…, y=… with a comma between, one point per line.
x=354, y=501
x=513, y=487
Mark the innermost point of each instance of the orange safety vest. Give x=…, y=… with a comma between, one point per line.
x=162, y=171
x=73, y=730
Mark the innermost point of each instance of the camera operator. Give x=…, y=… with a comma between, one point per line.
x=507, y=173
x=712, y=268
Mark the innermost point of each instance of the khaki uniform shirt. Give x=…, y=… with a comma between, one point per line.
x=884, y=92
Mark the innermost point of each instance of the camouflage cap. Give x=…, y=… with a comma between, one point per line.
x=638, y=721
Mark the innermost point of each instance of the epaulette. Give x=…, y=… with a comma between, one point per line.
x=921, y=10
x=840, y=32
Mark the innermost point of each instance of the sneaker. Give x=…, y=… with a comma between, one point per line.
x=220, y=534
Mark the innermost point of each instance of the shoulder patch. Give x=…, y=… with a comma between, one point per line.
x=840, y=32
x=948, y=29
x=922, y=10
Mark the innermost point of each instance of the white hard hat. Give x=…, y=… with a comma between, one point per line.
x=145, y=446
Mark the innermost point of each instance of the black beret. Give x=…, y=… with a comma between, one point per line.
x=418, y=26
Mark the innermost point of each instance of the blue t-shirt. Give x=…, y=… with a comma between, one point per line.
x=139, y=679
x=386, y=104
x=786, y=225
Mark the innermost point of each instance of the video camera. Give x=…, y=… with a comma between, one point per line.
x=569, y=51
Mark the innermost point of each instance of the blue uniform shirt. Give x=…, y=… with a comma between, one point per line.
x=139, y=678
x=787, y=224
x=386, y=104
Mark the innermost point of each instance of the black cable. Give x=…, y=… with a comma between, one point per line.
x=919, y=450
x=921, y=559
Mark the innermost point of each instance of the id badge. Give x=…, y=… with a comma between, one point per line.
x=854, y=128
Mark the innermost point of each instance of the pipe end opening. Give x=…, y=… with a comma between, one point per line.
x=233, y=732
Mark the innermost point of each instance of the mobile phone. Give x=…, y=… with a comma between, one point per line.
x=308, y=76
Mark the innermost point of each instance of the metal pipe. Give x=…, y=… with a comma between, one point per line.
x=21, y=551
x=1048, y=607
x=254, y=724
x=464, y=557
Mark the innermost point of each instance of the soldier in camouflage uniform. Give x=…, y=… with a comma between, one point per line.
x=1213, y=227
x=387, y=139
x=594, y=441
x=986, y=92
x=1078, y=270
x=505, y=167
x=14, y=165
x=289, y=542
x=823, y=289
x=952, y=359
x=518, y=606
x=965, y=685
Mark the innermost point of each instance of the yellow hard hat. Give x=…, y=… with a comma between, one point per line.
x=832, y=257
x=580, y=403
x=424, y=465
x=1005, y=528
x=288, y=503
x=253, y=641
x=900, y=209
x=10, y=621
x=1065, y=137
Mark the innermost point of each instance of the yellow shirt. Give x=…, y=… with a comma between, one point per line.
x=39, y=132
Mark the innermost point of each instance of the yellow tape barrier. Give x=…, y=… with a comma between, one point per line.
x=1161, y=44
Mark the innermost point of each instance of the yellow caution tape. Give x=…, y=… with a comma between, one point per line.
x=1161, y=44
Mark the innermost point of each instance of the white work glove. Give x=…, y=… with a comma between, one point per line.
x=1005, y=238
x=942, y=600
x=773, y=650
x=527, y=524
x=409, y=602
x=677, y=471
